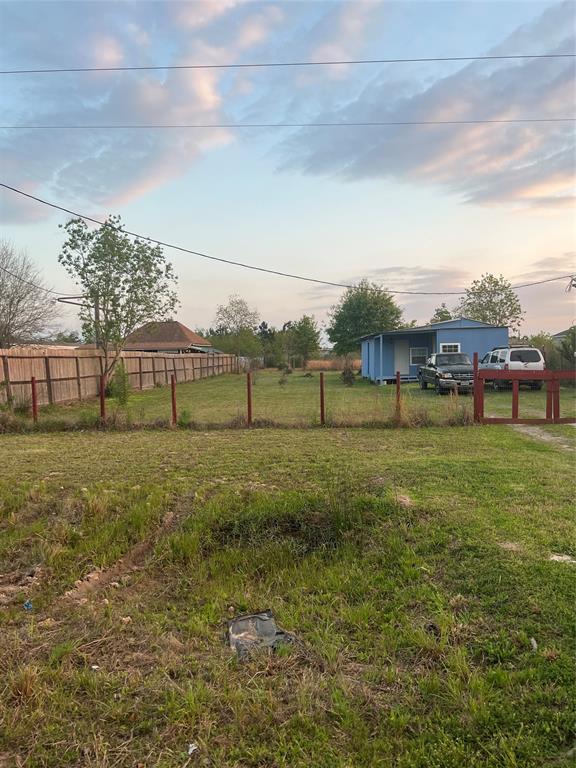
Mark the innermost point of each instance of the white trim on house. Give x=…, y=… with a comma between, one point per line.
x=418, y=355
x=453, y=346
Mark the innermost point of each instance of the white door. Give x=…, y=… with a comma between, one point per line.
x=402, y=357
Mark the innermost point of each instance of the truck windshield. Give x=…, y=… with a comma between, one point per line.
x=453, y=359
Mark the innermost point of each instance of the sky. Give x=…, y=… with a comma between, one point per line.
x=416, y=208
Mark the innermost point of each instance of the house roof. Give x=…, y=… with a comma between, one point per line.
x=168, y=334
x=461, y=323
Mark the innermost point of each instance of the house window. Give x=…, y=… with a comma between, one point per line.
x=450, y=347
x=418, y=355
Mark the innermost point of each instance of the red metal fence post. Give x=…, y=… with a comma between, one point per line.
x=476, y=390
x=556, y=402
x=174, y=411
x=549, y=398
x=515, y=392
x=34, y=400
x=322, y=403
x=102, y=398
x=249, y=396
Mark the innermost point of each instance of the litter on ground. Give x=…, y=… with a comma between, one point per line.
x=256, y=630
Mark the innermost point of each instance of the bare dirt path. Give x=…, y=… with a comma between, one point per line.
x=537, y=433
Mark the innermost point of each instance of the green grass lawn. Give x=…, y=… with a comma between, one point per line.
x=412, y=565
x=221, y=400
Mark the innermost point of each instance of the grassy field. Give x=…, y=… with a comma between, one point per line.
x=222, y=400
x=413, y=566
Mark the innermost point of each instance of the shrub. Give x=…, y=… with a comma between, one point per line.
x=184, y=418
x=119, y=385
x=348, y=375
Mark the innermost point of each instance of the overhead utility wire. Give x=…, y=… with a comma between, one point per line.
x=294, y=125
x=30, y=282
x=272, y=64
x=241, y=264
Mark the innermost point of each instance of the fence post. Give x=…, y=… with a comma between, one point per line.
x=174, y=411
x=249, y=396
x=140, y=376
x=153, y=371
x=34, y=400
x=7, y=379
x=549, y=398
x=78, y=379
x=322, y=402
x=476, y=390
x=102, y=398
x=556, y=401
x=515, y=391
x=48, y=380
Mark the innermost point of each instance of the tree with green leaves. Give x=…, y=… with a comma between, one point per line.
x=568, y=348
x=363, y=309
x=125, y=282
x=304, y=339
x=492, y=300
x=441, y=313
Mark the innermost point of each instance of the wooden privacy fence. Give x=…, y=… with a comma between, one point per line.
x=64, y=376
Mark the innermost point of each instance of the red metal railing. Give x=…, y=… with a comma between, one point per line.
x=552, y=379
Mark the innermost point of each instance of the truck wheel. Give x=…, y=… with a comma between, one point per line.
x=423, y=384
x=496, y=385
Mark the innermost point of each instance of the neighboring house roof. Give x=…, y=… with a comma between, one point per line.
x=561, y=334
x=168, y=334
x=460, y=323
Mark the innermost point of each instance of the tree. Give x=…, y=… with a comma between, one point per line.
x=364, y=308
x=26, y=308
x=125, y=283
x=235, y=316
x=304, y=339
x=544, y=342
x=243, y=343
x=441, y=313
x=568, y=348
x=66, y=337
x=492, y=300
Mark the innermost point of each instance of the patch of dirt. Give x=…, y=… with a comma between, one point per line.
x=562, y=559
x=404, y=501
x=131, y=562
x=510, y=546
x=16, y=581
x=537, y=433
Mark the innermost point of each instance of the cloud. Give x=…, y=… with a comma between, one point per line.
x=529, y=165
x=105, y=167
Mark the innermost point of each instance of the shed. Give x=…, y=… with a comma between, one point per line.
x=406, y=349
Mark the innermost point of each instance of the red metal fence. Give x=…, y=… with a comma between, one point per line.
x=552, y=379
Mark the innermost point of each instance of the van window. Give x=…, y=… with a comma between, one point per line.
x=502, y=355
x=494, y=357
x=525, y=356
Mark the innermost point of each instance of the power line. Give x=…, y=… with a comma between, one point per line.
x=29, y=282
x=277, y=64
x=242, y=264
x=370, y=124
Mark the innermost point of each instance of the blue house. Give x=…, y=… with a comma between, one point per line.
x=408, y=348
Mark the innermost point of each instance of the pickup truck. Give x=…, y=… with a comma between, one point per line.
x=447, y=371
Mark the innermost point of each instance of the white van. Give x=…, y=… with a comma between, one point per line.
x=514, y=359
